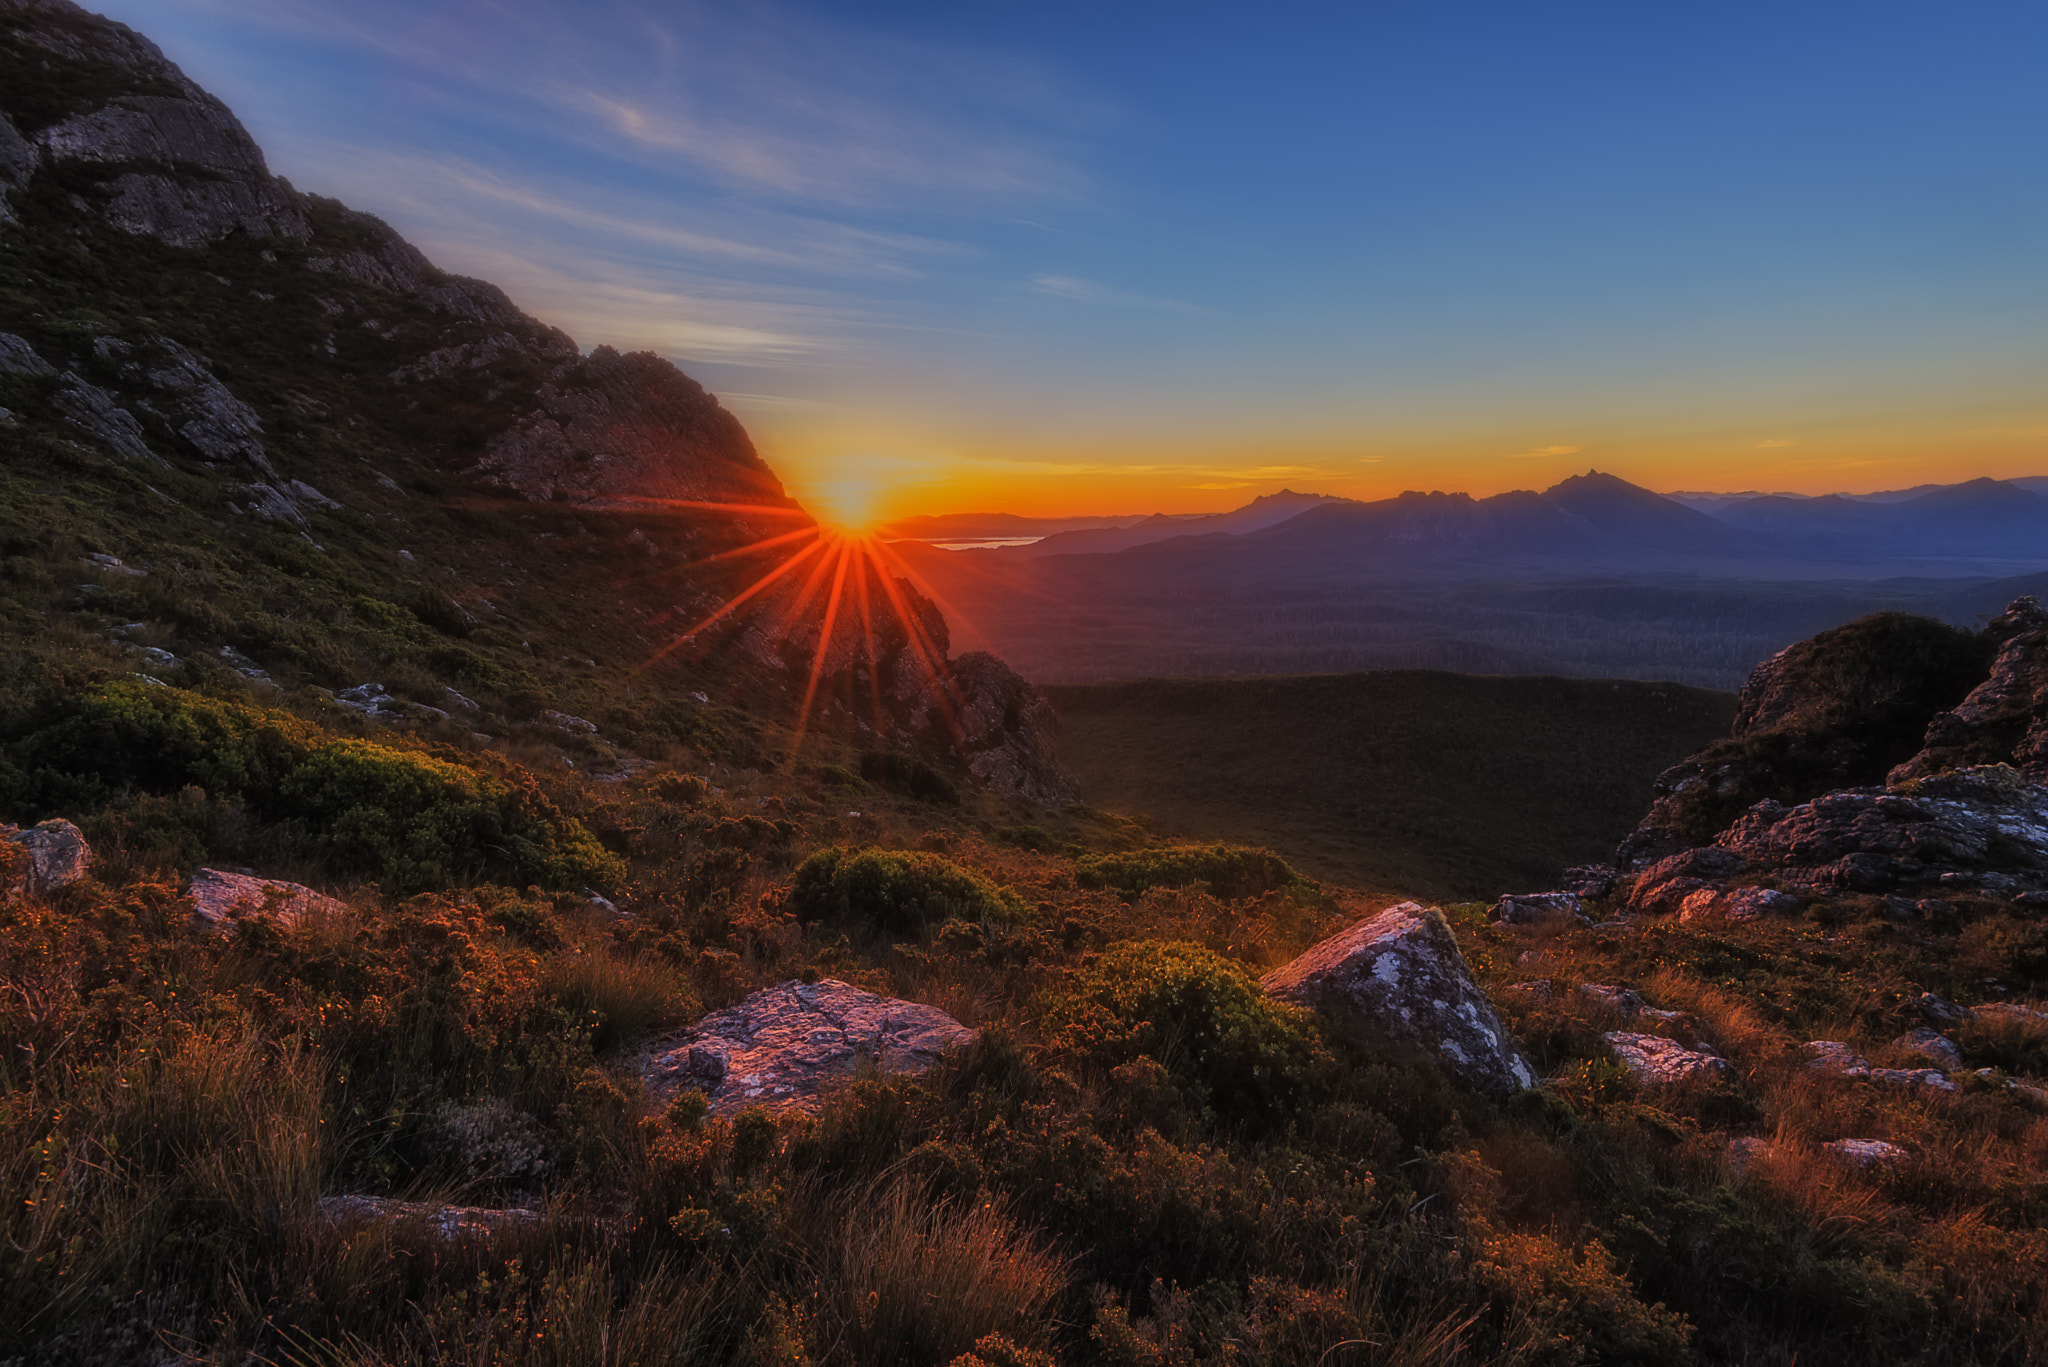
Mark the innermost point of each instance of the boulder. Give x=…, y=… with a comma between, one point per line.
x=220, y=898
x=1398, y=975
x=785, y=1047
x=2004, y=720
x=57, y=855
x=1737, y=904
x=1655, y=1061
x=1837, y=1059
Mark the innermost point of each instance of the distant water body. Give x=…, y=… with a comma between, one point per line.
x=979, y=543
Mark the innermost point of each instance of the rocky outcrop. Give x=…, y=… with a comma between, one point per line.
x=1398, y=977
x=18, y=159
x=1838, y=710
x=56, y=855
x=628, y=431
x=178, y=166
x=1833, y=1058
x=1008, y=732
x=1655, y=1061
x=1865, y=1153
x=787, y=1047
x=2004, y=720
x=449, y=1224
x=220, y=899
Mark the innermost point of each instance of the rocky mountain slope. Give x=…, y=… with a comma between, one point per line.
x=317, y=447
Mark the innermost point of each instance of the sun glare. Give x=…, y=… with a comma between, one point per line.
x=842, y=593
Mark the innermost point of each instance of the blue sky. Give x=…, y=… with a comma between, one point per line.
x=1113, y=257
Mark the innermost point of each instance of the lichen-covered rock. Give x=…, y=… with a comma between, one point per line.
x=57, y=855
x=220, y=898
x=1665, y=887
x=786, y=1047
x=17, y=357
x=1523, y=908
x=1399, y=975
x=1656, y=1061
x=2005, y=718
x=1836, y=1059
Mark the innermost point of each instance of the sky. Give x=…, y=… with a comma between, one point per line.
x=1062, y=258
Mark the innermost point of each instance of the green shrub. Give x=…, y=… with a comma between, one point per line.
x=1228, y=870
x=1202, y=1015
x=360, y=808
x=898, y=890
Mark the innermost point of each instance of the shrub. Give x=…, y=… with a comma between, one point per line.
x=361, y=808
x=1229, y=870
x=628, y=996
x=898, y=890
x=1200, y=1014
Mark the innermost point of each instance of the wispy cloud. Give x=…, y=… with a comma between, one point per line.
x=1089, y=292
x=1773, y=444
x=1537, y=453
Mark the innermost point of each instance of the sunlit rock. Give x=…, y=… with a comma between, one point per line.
x=57, y=855
x=785, y=1047
x=220, y=898
x=1399, y=976
x=1655, y=1061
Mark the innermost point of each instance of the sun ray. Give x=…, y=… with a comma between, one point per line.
x=823, y=654
x=733, y=604
x=756, y=547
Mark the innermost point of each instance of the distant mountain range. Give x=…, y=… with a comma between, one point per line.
x=1593, y=575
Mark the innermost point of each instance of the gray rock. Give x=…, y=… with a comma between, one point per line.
x=2010, y=1012
x=1941, y=1010
x=786, y=1047
x=1655, y=1061
x=1865, y=1153
x=58, y=855
x=1737, y=904
x=202, y=410
x=92, y=410
x=1744, y=1152
x=1525, y=908
x=1399, y=975
x=372, y=701
x=220, y=898
x=1933, y=1046
x=562, y=721
x=1008, y=732
x=17, y=357
x=1931, y=1079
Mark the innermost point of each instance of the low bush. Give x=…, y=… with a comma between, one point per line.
x=1200, y=1014
x=899, y=891
x=910, y=776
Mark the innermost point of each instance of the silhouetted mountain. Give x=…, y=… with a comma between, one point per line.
x=1978, y=518
x=1260, y=513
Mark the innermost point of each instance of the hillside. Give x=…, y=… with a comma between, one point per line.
x=1414, y=782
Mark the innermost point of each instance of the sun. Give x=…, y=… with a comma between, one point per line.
x=849, y=503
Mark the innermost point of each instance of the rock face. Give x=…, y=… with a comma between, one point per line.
x=786, y=1047
x=219, y=899
x=57, y=855
x=178, y=166
x=1522, y=908
x=1966, y=813
x=1398, y=975
x=2005, y=718
x=1008, y=732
